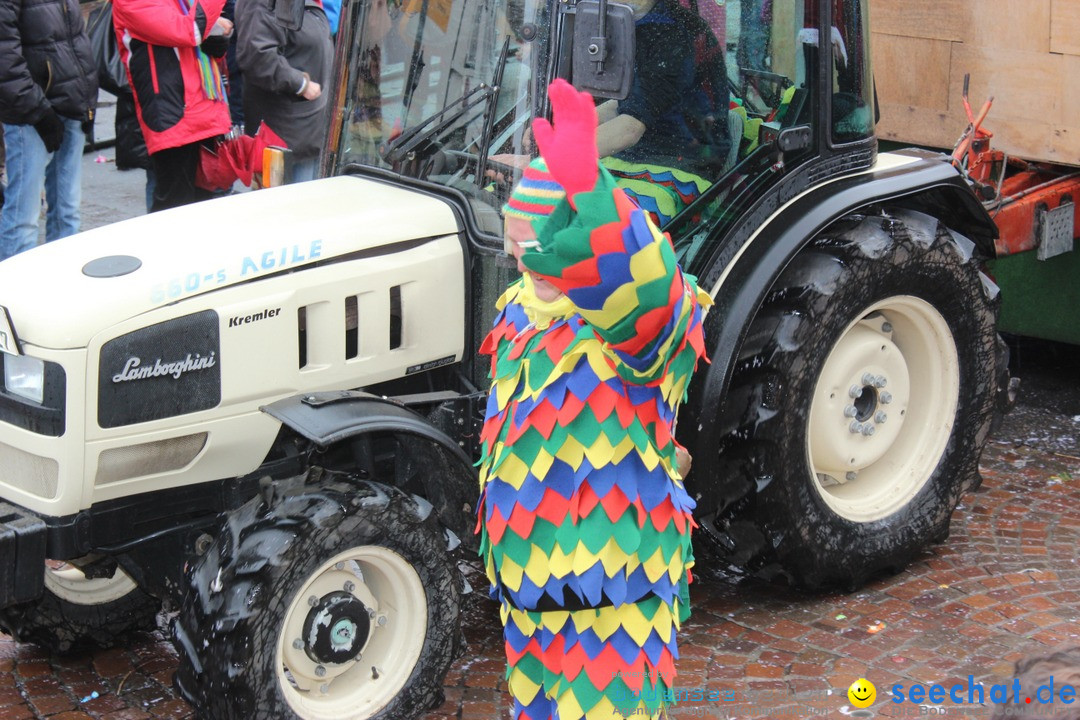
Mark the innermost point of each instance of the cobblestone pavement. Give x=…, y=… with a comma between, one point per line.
x=1005, y=583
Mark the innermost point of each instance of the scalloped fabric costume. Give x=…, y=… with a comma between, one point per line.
x=585, y=524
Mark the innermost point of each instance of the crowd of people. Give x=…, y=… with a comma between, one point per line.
x=197, y=70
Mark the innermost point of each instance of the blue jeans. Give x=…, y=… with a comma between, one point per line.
x=30, y=169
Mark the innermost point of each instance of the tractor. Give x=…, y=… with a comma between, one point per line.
x=261, y=413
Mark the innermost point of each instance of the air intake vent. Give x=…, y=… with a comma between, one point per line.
x=301, y=334
x=132, y=461
x=27, y=472
x=396, y=317
x=352, y=332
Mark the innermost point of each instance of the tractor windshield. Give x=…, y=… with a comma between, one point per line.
x=435, y=89
x=443, y=91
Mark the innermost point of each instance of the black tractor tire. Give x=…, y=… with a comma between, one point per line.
x=74, y=613
x=889, y=316
x=376, y=554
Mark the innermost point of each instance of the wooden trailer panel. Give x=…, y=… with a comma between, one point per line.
x=1026, y=53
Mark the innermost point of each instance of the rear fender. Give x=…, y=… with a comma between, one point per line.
x=739, y=285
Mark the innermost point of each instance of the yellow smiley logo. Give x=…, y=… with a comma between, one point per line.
x=862, y=693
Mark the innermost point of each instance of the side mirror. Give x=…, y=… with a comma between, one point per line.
x=289, y=13
x=603, y=63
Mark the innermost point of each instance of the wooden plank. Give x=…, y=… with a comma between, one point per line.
x=1069, y=135
x=933, y=19
x=1026, y=85
x=1010, y=24
x=1037, y=141
x=1065, y=27
x=911, y=71
x=918, y=126
x=1026, y=53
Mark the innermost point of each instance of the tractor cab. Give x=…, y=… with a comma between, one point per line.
x=704, y=104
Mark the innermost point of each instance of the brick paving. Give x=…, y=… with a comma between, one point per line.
x=1005, y=583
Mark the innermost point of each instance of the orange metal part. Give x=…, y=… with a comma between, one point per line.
x=1015, y=199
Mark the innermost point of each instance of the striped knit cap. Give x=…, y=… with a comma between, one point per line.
x=536, y=195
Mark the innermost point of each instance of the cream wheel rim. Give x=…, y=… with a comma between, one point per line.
x=883, y=409
x=385, y=652
x=68, y=583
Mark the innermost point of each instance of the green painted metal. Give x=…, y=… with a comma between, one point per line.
x=1039, y=298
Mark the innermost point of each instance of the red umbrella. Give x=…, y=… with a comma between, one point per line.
x=234, y=159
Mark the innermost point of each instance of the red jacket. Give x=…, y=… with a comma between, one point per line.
x=158, y=42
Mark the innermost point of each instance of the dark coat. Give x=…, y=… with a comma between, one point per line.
x=45, y=59
x=274, y=61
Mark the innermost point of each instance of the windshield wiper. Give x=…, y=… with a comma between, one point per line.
x=485, y=96
x=489, y=115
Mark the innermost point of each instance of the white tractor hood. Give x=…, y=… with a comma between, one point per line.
x=200, y=248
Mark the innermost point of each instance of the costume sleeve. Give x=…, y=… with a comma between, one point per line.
x=165, y=22
x=258, y=44
x=21, y=99
x=620, y=273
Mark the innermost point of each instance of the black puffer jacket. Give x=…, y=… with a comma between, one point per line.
x=45, y=59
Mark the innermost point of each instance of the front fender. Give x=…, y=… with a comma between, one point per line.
x=329, y=419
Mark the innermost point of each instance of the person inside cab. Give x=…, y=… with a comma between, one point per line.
x=676, y=113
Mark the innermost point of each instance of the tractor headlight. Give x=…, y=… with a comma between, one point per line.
x=25, y=376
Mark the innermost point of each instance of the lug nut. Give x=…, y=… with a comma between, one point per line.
x=868, y=429
x=339, y=566
x=313, y=601
x=850, y=411
x=324, y=688
x=298, y=644
x=350, y=586
x=381, y=621
x=886, y=326
x=854, y=427
x=854, y=391
x=885, y=398
x=851, y=475
x=867, y=379
x=320, y=671
x=880, y=417
x=879, y=381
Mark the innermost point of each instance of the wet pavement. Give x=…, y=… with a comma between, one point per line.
x=1006, y=583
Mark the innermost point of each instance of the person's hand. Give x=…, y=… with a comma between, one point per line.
x=51, y=130
x=312, y=89
x=226, y=26
x=683, y=461
x=216, y=42
x=511, y=165
x=569, y=144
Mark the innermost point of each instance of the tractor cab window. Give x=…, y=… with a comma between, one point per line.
x=853, y=90
x=715, y=82
x=444, y=91
x=433, y=89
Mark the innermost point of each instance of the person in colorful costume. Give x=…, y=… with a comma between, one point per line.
x=585, y=523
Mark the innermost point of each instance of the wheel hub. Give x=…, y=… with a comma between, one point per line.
x=336, y=629
x=855, y=428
